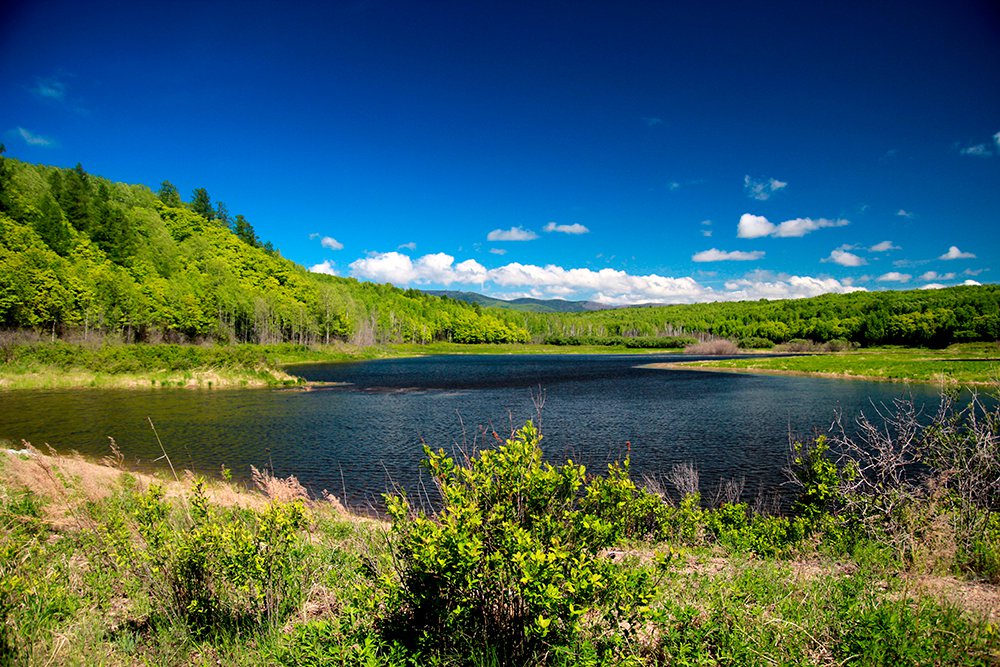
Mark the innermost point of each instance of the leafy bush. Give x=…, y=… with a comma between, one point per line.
x=513, y=561
x=212, y=570
x=756, y=343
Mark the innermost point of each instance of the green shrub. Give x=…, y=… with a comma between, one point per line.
x=513, y=561
x=213, y=570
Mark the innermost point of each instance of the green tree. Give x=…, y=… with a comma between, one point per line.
x=201, y=204
x=4, y=180
x=244, y=231
x=52, y=227
x=168, y=194
x=76, y=198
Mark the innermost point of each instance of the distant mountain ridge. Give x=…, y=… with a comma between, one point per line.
x=525, y=304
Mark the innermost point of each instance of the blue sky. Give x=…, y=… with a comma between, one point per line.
x=625, y=152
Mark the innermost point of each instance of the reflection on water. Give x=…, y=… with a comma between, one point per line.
x=357, y=439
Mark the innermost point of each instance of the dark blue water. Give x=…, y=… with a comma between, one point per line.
x=357, y=439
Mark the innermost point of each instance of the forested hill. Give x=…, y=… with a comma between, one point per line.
x=80, y=254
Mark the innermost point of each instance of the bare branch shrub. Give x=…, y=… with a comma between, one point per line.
x=717, y=346
x=901, y=472
x=684, y=478
x=729, y=491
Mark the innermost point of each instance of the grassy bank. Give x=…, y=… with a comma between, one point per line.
x=526, y=564
x=963, y=364
x=60, y=365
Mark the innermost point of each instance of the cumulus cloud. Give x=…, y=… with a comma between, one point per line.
x=955, y=253
x=884, y=246
x=755, y=226
x=399, y=269
x=933, y=286
x=607, y=285
x=331, y=243
x=793, y=287
x=326, y=267
x=716, y=255
x=575, y=228
x=971, y=283
x=33, y=139
x=512, y=234
x=894, y=277
x=844, y=258
x=762, y=189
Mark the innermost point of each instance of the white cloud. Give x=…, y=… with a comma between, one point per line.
x=607, y=285
x=971, y=282
x=313, y=236
x=903, y=213
x=331, y=243
x=755, y=226
x=715, y=255
x=512, y=234
x=761, y=190
x=399, y=269
x=973, y=272
x=844, y=258
x=575, y=228
x=706, y=233
x=933, y=286
x=326, y=267
x=498, y=251
x=33, y=139
x=934, y=275
x=673, y=186
x=979, y=150
x=955, y=253
x=884, y=246
x=894, y=277
x=407, y=246
x=794, y=287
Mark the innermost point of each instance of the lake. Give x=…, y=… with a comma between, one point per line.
x=359, y=438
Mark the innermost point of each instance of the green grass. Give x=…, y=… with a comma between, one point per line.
x=963, y=364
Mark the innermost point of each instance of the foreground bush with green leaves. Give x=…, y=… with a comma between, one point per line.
x=519, y=562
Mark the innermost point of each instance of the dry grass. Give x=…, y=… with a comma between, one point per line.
x=66, y=481
x=719, y=346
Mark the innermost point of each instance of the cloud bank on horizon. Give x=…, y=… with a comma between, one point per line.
x=609, y=286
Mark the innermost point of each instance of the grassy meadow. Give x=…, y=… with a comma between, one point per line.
x=963, y=364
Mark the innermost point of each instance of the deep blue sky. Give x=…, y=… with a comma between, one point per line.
x=415, y=137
